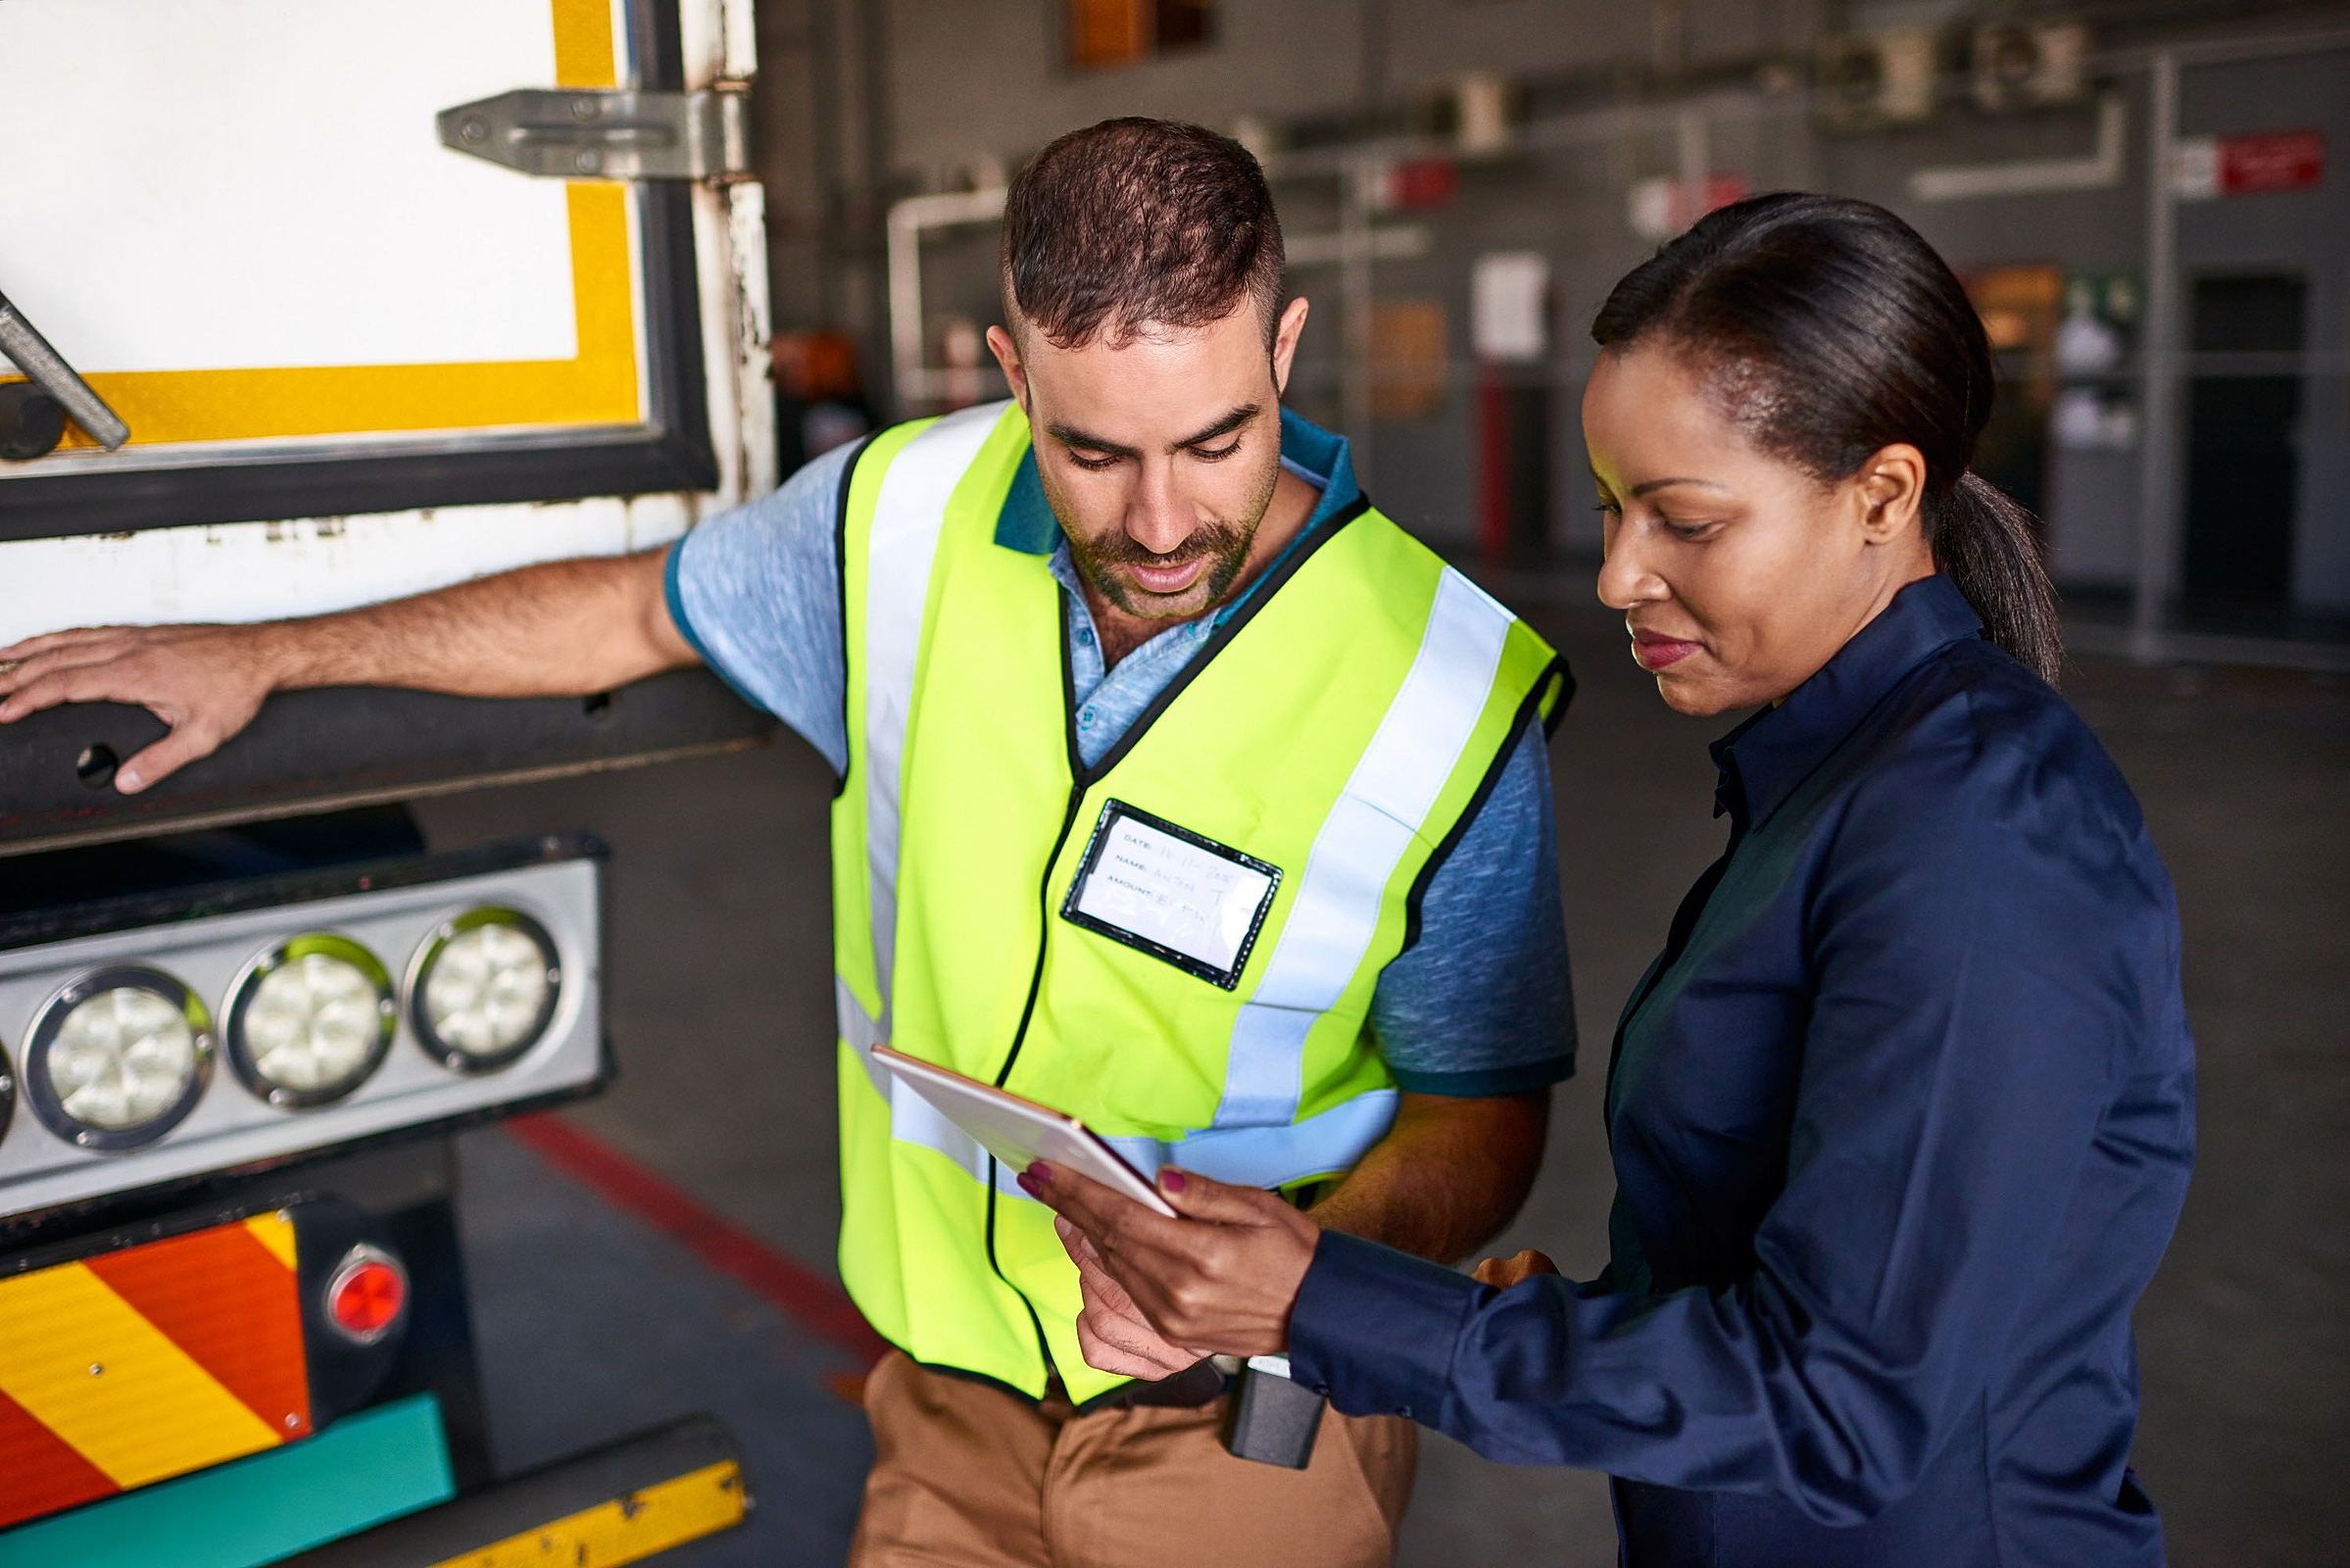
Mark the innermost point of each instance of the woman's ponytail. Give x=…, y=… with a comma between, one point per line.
x=1988, y=543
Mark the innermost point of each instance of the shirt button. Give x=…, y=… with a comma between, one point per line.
x=1086, y=717
x=1085, y=636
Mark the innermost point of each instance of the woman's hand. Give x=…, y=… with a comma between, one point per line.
x=1502, y=1273
x=1222, y=1277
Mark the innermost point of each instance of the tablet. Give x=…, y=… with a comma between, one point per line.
x=1020, y=1132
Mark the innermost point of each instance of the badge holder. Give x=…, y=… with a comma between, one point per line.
x=1176, y=895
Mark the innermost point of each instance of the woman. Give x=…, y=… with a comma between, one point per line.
x=1902, y=1116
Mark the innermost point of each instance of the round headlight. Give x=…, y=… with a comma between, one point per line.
x=118, y=1057
x=310, y=1020
x=483, y=989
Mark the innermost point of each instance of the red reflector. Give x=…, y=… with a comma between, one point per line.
x=366, y=1295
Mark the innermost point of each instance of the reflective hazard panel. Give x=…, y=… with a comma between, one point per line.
x=135, y=1366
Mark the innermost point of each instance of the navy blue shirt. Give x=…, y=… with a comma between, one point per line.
x=1901, y=1122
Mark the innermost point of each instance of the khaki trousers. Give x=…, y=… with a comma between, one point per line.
x=967, y=1474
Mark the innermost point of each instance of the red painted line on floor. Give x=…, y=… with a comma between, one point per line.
x=807, y=1298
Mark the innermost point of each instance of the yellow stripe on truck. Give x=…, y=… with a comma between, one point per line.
x=85, y=1365
x=276, y=1232
x=651, y=1519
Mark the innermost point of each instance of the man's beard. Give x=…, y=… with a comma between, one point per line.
x=1225, y=545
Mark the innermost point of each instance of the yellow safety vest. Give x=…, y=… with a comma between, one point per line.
x=995, y=908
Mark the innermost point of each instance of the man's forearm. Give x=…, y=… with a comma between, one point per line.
x=1446, y=1177
x=562, y=628
x=566, y=627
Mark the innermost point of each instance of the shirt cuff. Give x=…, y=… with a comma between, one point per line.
x=1374, y=1329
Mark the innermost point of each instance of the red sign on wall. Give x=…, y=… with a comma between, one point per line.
x=1662, y=208
x=2287, y=160
x=1421, y=183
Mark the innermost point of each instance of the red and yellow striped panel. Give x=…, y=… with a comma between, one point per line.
x=148, y=1363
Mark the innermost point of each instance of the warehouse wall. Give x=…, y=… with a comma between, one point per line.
x=975, y=85
x=2306, y=232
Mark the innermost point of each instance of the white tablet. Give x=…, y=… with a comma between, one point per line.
x=1020, y=1132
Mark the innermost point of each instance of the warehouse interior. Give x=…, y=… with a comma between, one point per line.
x=1430, y=159
x=2146, y=202
x=1461, y=181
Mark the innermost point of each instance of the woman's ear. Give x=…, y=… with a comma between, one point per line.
x=1892, y=484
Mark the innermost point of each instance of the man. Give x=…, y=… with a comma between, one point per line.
x=1180, y=789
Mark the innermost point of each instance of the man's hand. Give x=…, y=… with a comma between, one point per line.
x=562, y=628
x=1224, y=1276
x=1502, y=1273
x=204, y=682
x=1111, y=1331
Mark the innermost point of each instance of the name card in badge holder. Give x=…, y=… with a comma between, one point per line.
x=1179, y=896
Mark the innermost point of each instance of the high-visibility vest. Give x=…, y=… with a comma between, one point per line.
x=1324, y=745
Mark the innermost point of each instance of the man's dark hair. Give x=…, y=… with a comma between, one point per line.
x=1138, y=224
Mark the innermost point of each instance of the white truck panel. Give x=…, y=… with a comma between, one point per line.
x=263, y=570
x=277, y=225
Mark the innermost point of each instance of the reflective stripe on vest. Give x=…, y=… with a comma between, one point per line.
x=912, y=1119
x=905, y=533
x=1387, y=801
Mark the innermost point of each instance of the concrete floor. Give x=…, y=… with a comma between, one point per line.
x=722, y=1014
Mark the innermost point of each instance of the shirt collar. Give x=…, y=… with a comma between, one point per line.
x=1764, y=759
x=1027, y=525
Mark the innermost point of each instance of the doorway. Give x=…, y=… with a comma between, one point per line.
x=2243, y=420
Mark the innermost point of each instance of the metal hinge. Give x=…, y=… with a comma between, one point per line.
x=600, y=133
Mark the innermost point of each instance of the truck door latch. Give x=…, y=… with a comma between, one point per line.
x=607, y=134
x=30, y=433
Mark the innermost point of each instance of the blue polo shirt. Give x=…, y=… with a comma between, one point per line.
x=1479, y=1006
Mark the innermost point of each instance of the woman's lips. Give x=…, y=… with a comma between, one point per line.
x=1168, y=580
x=1657, y=653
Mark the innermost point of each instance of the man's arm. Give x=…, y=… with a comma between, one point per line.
x=566, y=627
x=1446, y=1178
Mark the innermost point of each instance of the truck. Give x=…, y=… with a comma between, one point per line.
x=307, y=304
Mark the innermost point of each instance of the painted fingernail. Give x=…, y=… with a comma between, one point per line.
x=1038, y=1173
x=1171, y=1180
x=1028, y=1183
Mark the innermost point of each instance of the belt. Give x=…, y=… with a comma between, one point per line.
x=1200, y=1384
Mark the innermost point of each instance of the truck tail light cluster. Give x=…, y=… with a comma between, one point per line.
x=347, y=1005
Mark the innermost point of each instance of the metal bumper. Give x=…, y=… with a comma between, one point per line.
x=623, y=1504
